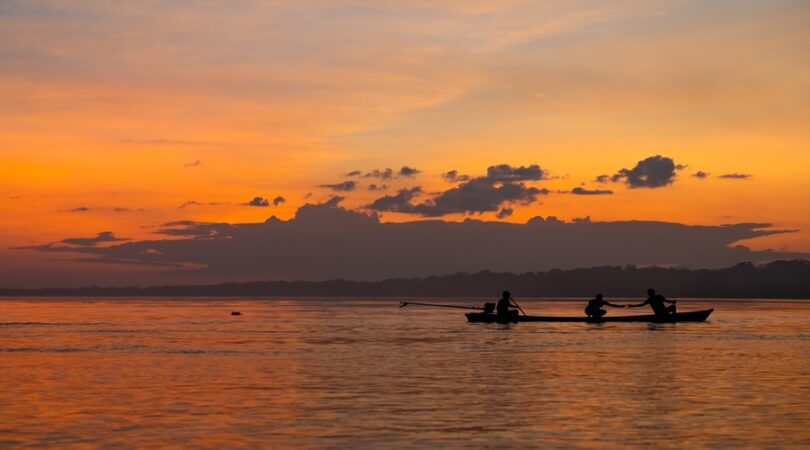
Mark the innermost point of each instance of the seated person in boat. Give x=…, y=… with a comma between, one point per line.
x=594, y=309
x=656, y=302
x=505, y=304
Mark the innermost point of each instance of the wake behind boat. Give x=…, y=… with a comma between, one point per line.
x=688, y=316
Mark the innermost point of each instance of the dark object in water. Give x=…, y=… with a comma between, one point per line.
x=236, y=313
x=689, y=316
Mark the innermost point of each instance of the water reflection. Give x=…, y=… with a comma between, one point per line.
x=308, y=373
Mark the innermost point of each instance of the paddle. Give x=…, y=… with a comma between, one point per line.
x=518, y=306
x=404, y=304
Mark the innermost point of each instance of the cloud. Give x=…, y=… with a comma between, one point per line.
x=401, y=202
x=194, y=164
x=506, y=173
x=409, y=172
x=454, y=177
x=502, y=184
x=653, y=172
x=582, y=191
x=326, y=241
x=602, y=179
x=80, y=209
x=586, y=219
x=104, y=236
x=384, y=174
x=736, y=176
x=260, y=202
x=700, y=174
x=345, y=186
x=75, y=244
x=504, y=213
x=278, y=200
x=353, y=173
x=332, y=202
x=376, y=187
x=196, y=203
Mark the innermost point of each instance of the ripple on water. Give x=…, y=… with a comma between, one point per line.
x=306, y=373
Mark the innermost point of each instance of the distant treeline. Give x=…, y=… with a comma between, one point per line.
x=779, y=279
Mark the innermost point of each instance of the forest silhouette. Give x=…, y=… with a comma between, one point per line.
x=778, y=279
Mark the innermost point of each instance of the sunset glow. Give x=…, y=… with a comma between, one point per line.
x=125, y=116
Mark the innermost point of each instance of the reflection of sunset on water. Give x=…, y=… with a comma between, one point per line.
x=349, y=373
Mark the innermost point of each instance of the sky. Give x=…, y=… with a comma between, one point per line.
x=123, y=121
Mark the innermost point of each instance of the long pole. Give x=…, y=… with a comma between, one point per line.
x=404, y=304
x=518, y=306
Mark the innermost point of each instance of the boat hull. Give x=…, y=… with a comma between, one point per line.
x=688, y=316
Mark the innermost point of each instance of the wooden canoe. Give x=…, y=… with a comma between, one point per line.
x=688, y=316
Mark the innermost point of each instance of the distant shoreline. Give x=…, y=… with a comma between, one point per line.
x=775, y=280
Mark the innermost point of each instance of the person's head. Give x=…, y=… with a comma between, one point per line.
x=651, y=292
x=599, y=296
x=506, y=294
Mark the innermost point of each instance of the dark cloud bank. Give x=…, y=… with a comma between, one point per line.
x=326, y=241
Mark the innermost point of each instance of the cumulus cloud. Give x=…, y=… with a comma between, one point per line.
x=700, y=174
x=400, y=202
x=377, y=187
x=454, y=177
x=736, y=176
x=345, y=186
x=507, y=173
x=409, y=172
x=582, y=191
x=504, y=213
x=653, y=172
x=502, y=184
x=384, y=174
x=278, y=200
x=602, y=179
x=353, y=173
x=260, y=202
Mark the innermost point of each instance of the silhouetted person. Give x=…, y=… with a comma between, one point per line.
x=594, y=309
x=504, y=306
x=656, y=302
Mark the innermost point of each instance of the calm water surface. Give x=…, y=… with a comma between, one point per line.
x=365, y=374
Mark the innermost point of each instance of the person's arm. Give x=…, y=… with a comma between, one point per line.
x=640, y=304
x=615, y=306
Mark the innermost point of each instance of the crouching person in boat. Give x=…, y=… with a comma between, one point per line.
x=505, y=305
x=594, y=309
x=656, y=302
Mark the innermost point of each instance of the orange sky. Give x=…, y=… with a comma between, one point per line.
x=106, y=106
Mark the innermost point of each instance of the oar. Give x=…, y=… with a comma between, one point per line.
x=518, y=306
x=404, y=304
